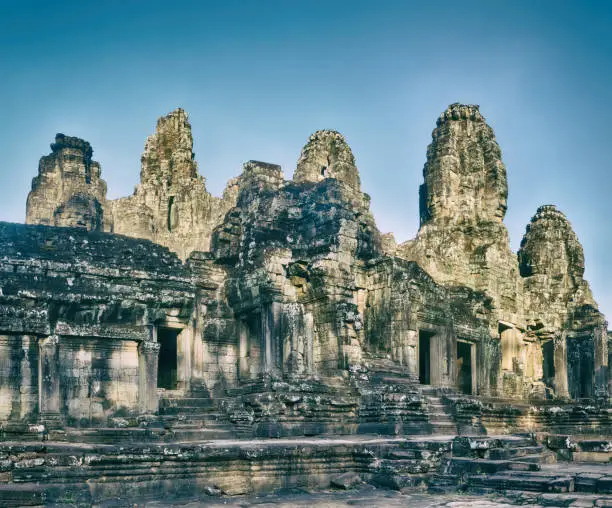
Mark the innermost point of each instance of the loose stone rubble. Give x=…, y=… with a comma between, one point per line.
x=176, y=344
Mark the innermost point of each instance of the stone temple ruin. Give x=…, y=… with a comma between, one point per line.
x=148, y=341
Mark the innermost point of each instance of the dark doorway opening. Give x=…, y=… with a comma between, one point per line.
x=580, y=367
x=548, y=362
x=167, y=363
x=425, y=357
x=464, y=367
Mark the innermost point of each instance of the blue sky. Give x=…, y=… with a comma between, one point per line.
x=257, y=77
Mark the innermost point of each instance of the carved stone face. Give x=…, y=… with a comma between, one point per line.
x=465, y=179
x=327, y=155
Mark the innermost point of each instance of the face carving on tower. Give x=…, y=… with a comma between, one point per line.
x=68, y=190
x=465, y=179
x=327, y=155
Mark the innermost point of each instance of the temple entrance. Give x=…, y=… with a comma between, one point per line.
x=425, y=357
x=167, y=363
x=548, y=363
x=250, y=346
x=464, y=367
x=580, y=367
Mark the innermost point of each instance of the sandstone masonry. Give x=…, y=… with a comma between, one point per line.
x=147, y=340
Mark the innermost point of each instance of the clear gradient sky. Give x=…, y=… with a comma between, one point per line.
x=258, y=76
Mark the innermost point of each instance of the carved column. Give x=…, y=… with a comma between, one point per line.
x=442, y=361
x=411, y=359
x=474, y=365
x=600, y=344
x=148, y=353
x=243, y=366
x=49, y=381
x=184, y=356
x=560, y=360
x=270, y=321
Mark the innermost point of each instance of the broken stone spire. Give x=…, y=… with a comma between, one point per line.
x=68, y=190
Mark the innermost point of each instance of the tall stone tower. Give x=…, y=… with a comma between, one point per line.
x=171, y=205
x=68, y=190
x=327, y=155
x=462, y=238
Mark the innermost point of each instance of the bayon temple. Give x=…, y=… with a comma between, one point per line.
x=171, y=320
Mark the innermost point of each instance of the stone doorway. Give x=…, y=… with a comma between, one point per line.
x=425, y=357
x=580, y=367
x=548, y=363
x=250, y=346
x=167, y=367
x=464, y=367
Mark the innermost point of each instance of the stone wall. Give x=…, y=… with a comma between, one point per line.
x=18, y=377
x=77, y=311
x=99, y=378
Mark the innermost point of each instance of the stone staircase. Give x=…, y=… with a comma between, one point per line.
x=512, y=464
x=439, y=417
x=193, y=417
x=476, y=459
x=410, y=464
x=298, y=407
x=393, y=403
x=182, y=417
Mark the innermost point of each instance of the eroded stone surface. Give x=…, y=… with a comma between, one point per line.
x=462, y=239
x=171, y=205
x=280, y=311
x=68, y=190
x=551, y=261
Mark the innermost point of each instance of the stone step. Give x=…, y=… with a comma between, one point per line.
x=534, y=482
x=484, y=443
x=187, y=401
x=444, y=483
x=486, y=466
x=194, y=418
x=115, y=436
x=539, y=458
x=21, y=495
x=202, y=434
x=186, y=409
x=137, y=435
x=508, y=453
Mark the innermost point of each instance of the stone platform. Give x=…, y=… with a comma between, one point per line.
x=85, y=474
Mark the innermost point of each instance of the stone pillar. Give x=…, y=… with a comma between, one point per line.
x=560, y=359
x=309, y=343
x=474, y=365
x=600, y=344
x=49, y=381
x=270, y=318
x=29, y=363
x=243, y=358
x=511, y=346
x=410, y=354
x=183, y=357
x=609, y=341
x=148, y=353
x=197, y=352
x=442, y=352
